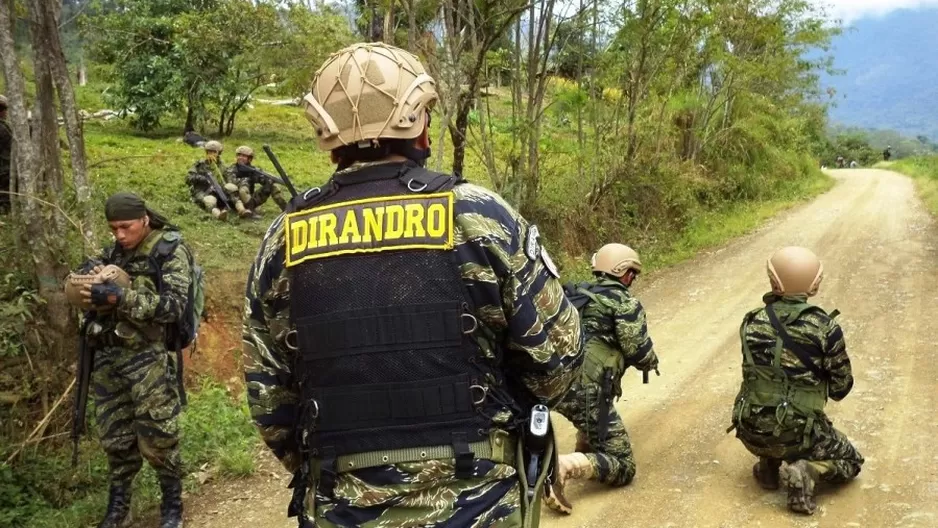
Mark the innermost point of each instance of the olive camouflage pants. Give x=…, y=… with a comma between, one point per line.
x=138, y=405
x=612, y=459
x=829, y=449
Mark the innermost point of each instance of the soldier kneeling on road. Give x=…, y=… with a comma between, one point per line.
x=254, y=185
x=208, y=188
x=615, y=337
x=794, y=358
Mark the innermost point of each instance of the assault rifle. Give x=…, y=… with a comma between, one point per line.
x=219, y=191
x=280, y=171
x=250, y=171
x=82, y=380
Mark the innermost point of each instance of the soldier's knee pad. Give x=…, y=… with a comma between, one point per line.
x=210, y=202
x=230, y=187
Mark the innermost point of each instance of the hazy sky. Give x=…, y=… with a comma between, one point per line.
x=853, y=9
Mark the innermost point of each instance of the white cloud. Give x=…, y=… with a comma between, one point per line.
x=850, y=10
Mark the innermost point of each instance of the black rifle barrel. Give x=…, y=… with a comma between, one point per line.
x=280, y=171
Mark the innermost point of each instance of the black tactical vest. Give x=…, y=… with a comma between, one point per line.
x=386, y=356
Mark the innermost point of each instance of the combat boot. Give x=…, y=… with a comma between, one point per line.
x=766, y=472
x=220, y=214
x=118, y=508
x=800, y=478
x=243, y=211
x=171, y=507
x=572, y=466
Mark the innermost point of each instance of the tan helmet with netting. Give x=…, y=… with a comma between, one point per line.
x=369, y=91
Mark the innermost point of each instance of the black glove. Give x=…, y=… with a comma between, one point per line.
x=88, y=266
x=106, y=294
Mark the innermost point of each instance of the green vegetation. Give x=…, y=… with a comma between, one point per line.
x=43, y=491
x=924, y=169
x=670, y=125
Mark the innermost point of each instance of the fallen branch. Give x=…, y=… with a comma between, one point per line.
x=42, y=424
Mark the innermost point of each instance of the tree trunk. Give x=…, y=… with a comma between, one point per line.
x=388, y=30
x=82, y=73
x=73, y=126
x=412, y=25
x=36, y=177
x=458, y=132
x=190, y=120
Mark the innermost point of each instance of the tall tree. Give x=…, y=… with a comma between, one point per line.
x=38, y=164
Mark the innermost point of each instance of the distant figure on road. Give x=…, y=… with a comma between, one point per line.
x=887, y=153
x=794, y=359
x=840, y=162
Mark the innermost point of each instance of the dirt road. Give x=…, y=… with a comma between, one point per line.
x=880, y=251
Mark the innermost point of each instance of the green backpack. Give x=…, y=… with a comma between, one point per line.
x=183, y=333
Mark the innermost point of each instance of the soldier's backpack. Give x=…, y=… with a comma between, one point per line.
x=580, y=294
x=181, y=334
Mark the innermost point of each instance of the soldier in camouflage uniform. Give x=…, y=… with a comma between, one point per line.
x=253, y=189
x=334, y=366
x=134, y=379
x=6, y=148
x=615, y=338
x=794, y=359
x=201, y=188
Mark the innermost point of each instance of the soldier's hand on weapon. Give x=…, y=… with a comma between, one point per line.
x=104, y=294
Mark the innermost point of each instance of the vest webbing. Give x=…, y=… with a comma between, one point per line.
x=599, y=356
x=768, y=386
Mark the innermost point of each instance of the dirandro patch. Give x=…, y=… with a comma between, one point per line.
x=387, y=223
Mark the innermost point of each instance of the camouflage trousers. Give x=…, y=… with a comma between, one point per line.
x=829, y=450
x=611, y=458
x=423, y=494
x=137, y=403
x=262, y=191
x=208, y=199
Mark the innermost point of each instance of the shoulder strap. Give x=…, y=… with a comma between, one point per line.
x=747, y=353
x=799, y=349
x=420, y=180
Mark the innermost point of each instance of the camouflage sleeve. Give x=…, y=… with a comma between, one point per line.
x=142, y=302
x=518, y=294
x=271, y=389
x=632, y=334
x=837, y=363
x=195, y=176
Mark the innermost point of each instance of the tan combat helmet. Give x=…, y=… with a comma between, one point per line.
x=795, y=271
x=245, y=150
x=213, y=146
x=369, y=91
x=616, y=260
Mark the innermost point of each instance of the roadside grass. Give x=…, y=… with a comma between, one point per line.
x=42, y=490
x=924, y=171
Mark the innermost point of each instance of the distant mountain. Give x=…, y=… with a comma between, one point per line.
x=891, y=79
